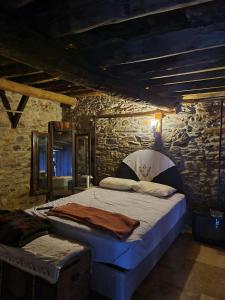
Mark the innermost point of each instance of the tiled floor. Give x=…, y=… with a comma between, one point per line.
x=187, y=271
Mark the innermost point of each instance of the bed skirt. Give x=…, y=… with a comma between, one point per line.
x=118, y=284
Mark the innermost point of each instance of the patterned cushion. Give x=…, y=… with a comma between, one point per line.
x=17, y=228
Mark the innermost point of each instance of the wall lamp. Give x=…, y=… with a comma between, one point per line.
x=156, y=123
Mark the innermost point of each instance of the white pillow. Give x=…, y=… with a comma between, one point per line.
x=154, y=189
x=117, y=183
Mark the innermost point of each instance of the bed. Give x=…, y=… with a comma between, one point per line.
x=118, y=267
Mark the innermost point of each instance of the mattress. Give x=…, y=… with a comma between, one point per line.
x=157, y=217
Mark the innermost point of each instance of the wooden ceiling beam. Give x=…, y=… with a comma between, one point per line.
x=200, y=91
x=208, y=95
x=103, y=13
x=26, y=90
x=36, y=79
x=54, y=86
x=196, y=85
x=181, y=87
x=201, y=75
x=169, y=65
x=193, y=68
x=14, y=4
x=61, y=87
x=4, y=61
x=137, y=114
x=17, y=70
x=192, y=17
x=170, y=44
x=17, y=43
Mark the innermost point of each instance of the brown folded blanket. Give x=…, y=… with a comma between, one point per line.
x=117, y=224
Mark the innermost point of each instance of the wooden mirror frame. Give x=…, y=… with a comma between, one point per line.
x=76, y=137
x=34, y=190
x=60, y=126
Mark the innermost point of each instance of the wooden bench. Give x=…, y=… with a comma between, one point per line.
x=48, y=268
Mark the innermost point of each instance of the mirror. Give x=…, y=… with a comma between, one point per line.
x=82, y=158
x=61, y=152
x=39, y=174
x=60, y=159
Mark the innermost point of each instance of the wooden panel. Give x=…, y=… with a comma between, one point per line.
x=14, y=4
x=195, y=85
x=198, y=85
x=207, y=68
x=17, y=43
x=203, y=95
x=16, y=284
x=73, y=283
x=35, y=78
x=102, y=13
x=54, y=86
x=200, y=91
x=166, y=45
x=169, y=65
x=4, y=61
x=200, y=75
x=16, y=70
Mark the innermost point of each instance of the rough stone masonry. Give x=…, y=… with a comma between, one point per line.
x=15, y=149
x=190, y=138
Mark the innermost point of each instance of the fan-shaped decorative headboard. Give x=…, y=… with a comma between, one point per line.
x=150, y=165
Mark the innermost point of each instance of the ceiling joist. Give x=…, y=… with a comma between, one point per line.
x=209, y=90
x=171, y=65
x=186, y=86
x=17, y=70
x=138, y=49
x=190, y=70
x=35, y=79
x=14, y=4
x=210, y=96
x=16, y=43
x=199, y=75
x=103, y=13
x=166, y=45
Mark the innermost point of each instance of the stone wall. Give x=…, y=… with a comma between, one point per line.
x=15, y=149
x=190, y=138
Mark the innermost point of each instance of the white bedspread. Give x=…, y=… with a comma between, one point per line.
x=157, y=217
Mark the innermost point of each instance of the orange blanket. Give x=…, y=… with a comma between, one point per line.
x=117, y=224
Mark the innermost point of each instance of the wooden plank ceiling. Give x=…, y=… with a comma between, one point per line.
x=157, y=51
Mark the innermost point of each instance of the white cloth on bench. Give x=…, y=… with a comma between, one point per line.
x=44, y=256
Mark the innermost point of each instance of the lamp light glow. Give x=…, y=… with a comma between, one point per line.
x=154, y=124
